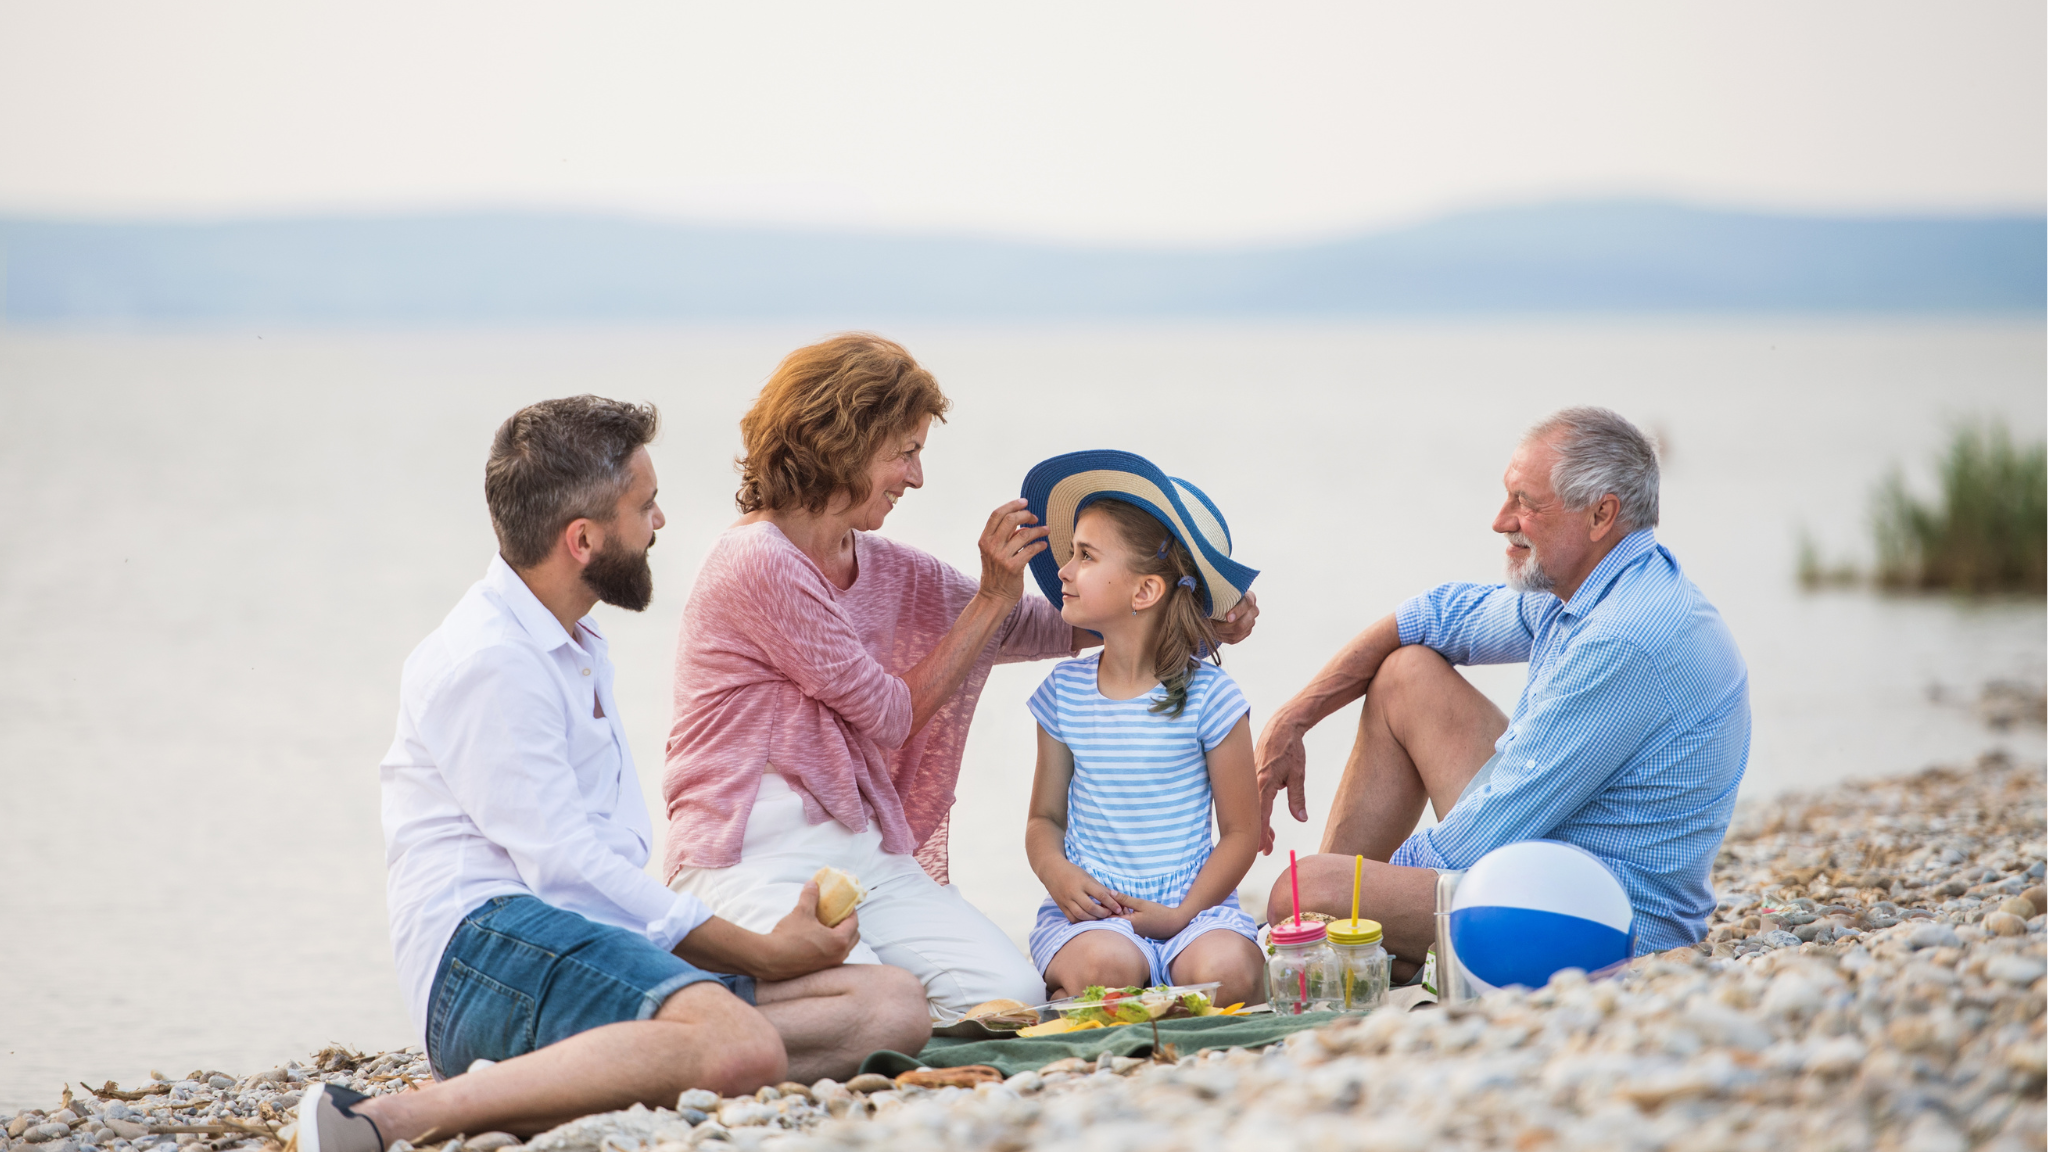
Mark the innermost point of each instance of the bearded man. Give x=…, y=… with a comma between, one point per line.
x=550, y=976
x=1629, y=740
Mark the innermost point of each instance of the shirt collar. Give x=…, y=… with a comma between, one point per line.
x=526, y=608
x=1632, y=548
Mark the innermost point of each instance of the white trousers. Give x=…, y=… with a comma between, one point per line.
x=907, y=920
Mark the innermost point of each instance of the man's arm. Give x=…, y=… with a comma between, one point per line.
x=797, y=946
x=1464, y=623
x=1281, y=759
x=495, y=731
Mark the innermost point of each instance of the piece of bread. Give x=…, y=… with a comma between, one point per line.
x=838, y=892
x=997, y=1008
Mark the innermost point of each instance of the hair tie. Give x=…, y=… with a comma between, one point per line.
x=1188, y=582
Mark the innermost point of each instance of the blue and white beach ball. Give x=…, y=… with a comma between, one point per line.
x=1527, y=911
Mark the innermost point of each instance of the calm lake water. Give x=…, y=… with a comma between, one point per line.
x=221, y=548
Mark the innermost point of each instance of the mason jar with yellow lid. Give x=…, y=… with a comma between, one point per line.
x=1362, y=964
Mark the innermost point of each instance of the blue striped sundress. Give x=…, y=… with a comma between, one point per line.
x=1139, y=807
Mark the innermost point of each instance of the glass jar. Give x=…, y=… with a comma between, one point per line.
x=1362, y=964
x=1301, y=975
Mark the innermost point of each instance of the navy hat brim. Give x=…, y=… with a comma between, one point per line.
x=1056, y=491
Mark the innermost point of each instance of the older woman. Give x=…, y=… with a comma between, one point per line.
x=825, y=676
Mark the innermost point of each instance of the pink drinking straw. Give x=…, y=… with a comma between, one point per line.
x=1294, y=884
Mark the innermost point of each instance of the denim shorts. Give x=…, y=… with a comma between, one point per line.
x=520, y=975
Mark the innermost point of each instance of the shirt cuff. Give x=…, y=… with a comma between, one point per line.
x=1416, y=852
x=1412, y=619
x=684, y=917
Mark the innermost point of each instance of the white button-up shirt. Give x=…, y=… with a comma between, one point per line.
x=503, y=780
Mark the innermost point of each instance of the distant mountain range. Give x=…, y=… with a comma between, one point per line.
x=1610, y=257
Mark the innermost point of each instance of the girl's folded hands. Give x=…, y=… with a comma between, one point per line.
x=1082, y=897
x=1154, y=921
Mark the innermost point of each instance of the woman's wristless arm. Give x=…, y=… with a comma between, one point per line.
x=1008, y=542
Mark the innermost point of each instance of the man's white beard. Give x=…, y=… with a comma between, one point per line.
x=1528, y=576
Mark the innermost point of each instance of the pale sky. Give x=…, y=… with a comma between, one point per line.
x=1171, y=123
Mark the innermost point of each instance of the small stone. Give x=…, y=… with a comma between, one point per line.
x=691, y=1116
x=744, y=1113
x=1780, y=938
x=843, y=1105
x=1936, y=935
x=2006, y=923
x=491, y=1142
x=870, y=1082
x=709, y=1130
x=64, y=1116
x=220, y=1081
x=42, y=1133
x=1930, y=1133
x=2020, y=906
x=127, y=1129
x=792, y=1088
x=2020, y=970
x=1025, y=1082
x=22, y=1122
x=702, y=1099
x=1124, y=1064
x=766, y=1094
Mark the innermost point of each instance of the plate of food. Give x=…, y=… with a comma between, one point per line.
x=1100, y=1007
x=993, y=1020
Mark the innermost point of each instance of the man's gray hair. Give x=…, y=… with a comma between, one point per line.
x=1599, y=452
x=559, y=461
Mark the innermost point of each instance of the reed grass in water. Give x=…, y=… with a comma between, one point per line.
x=1987, y=531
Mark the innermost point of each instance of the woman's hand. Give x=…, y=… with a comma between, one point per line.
x=1155, y=921
x=1082, y=897
x=1237, y=623
x=1007, y=545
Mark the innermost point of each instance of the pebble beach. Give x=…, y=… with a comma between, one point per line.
x=1873, y=979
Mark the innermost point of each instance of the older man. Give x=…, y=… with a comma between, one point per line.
x=1629, y=740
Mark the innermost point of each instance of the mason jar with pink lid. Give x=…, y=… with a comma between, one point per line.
x=1302, y=973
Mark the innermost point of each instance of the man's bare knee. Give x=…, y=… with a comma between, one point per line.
x=1407, y=667
x=894, y=1002
x=749, y=1052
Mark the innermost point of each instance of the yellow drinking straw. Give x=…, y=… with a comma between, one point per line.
x=1357, y=878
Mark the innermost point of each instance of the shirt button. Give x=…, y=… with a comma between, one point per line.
x=586, y=671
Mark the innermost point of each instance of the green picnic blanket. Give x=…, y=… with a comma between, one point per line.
x=1020, y=1054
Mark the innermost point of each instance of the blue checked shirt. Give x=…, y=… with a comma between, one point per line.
x=1630, y=737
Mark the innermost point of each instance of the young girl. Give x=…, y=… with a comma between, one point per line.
x=1135, y=741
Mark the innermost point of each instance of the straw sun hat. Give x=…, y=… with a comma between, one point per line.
x=1058, y=489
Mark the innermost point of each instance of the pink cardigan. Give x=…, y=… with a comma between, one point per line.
x=777, y=666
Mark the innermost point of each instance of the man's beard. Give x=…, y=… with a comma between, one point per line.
x=621, y=577
x=1528, y=576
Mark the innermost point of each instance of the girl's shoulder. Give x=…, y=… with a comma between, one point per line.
x=1211, y=687
x=1212, y=678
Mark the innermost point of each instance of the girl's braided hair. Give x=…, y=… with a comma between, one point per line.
x=1186, y=634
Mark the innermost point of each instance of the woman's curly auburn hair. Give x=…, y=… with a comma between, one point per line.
x=822, y=417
